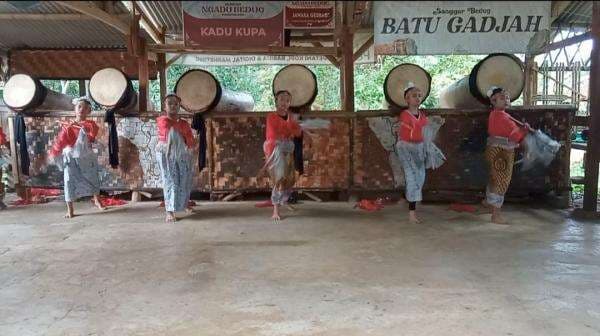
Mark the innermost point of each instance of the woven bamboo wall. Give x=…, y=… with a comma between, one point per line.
x=235, y=154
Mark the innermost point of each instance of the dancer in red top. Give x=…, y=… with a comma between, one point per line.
x=72, y=150
x=504, y=135
x=3, y=143
x=174, y=157
x=282, y=127
x=411, y=149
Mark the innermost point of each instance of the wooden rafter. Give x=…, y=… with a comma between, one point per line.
x=364, y=47
x=153, y=31
x=95, y=12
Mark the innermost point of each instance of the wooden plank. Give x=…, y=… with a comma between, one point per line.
x=331, y=59
x=162, y=70
x=153, y=31
x=14, y=155
x=363, y=48
x=173, y=60
x=590, y=192
x=82, y=87
x=566, y=42
x=180, y=48
x=312, y=38
x=143, y=73
x=95, y=12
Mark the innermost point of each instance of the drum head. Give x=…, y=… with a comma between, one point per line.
x=19, y=91
x=501, y=70
x=108, y=86
x=199, y=91
x=397, y=80
x=299, y=81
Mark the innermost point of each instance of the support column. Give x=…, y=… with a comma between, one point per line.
x=143, y=76
x=590, y=194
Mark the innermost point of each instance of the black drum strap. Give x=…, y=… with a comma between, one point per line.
x=20, y=138
x=199, y=125
x=113, y=138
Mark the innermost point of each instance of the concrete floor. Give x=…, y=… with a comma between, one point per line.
x=326, y=270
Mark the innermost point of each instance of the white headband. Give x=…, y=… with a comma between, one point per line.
x=409, y=85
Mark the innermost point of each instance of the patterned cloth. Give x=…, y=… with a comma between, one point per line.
x=175, y=163
x=280, y=165
x=500, y=164
x=412, y=157
x=80, y=165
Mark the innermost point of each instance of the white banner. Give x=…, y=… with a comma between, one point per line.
x=232, y=60
x=459, y=27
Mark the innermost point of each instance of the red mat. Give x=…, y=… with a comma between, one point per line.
x=110, y=201
x=369, y=205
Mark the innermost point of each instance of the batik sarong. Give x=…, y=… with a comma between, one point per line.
x=412, y=157
x=500, y=157
x=80, y=165
x=280, y=166
x=175, y=163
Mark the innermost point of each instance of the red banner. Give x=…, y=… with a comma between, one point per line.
x=310, y=14
x=227, y=24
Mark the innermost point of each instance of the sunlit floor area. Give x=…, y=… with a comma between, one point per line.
x=326, y=269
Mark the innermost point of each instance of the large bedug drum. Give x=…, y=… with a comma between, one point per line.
x=200, y=91
x=501, y=70
x=112, y=89
x=25, y=93
x=300, y=82
x=398, y=79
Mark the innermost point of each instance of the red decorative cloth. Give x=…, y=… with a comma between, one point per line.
x=3, y=140
x=501, y=125
x=369, y=205
x=69, y=133
x=411, y=127
x=280, y=129
x=182, y=127
x=110, y=201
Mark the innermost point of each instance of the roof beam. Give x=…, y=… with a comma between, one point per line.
x=153, y=31
x=95, y=12
x=557, y=8
x=180, y=48
x=566, y=42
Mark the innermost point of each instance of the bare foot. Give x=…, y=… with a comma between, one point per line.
x=486, y=206
x=189, y=210
x=170, y=218
x=499, y=219
x=69, y=215
x=412, y=217
x=276, y=217
x=99, y=205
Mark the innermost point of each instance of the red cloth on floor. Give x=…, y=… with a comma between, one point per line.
x=44, y=192
x=459, y=207
x=369, y=205
x=264, y=204
x=110, y=201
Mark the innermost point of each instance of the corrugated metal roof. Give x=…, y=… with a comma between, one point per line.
x=34, y=7
x=59, y=34
x=166, y=14
x=577, y=13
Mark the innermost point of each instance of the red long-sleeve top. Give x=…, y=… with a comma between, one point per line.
x=411, y=127
x=3, y=140
x=501, y=125
x=182, y=127
x=69, y=133
x=279, y=129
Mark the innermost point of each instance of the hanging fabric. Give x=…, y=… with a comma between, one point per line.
x=20, y=138
x=113, y=138
x=199, y=125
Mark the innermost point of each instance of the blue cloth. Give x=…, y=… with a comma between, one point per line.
x=412, y=157
x=175, y=163
x=80, y=169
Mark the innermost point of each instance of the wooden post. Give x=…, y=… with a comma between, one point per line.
x=590, y=193
x=82, y=88
x=347, y=70
x=529, y=78
x=143, y=76
x=14, y=155
x=162, y=72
